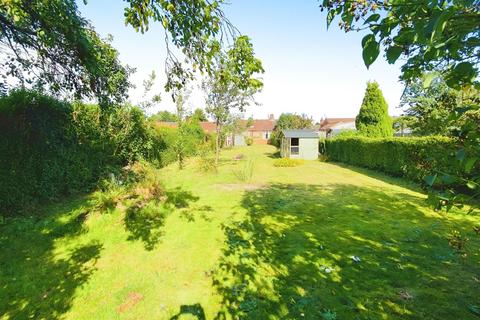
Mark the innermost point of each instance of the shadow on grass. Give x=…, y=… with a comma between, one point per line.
x=293, y=257
x=194, y=310
x=145, y=220
x=273, y=155
x=34, y=282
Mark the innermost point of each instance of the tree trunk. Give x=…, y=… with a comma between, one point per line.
x=217, y=144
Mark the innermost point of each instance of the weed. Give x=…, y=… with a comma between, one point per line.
x=245, y=173
x=457, y=241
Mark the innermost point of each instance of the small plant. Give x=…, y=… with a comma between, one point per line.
x=457, y=241
x=249, y=141
x=106, y=200
x=287, y=162
x=206, y=159
x=245, y=173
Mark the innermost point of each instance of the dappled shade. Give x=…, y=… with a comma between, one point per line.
x=293, y=256
x=35, y=283
x=145, y=221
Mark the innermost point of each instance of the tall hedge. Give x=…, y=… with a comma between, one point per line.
x=50, y=148
x=373, y=119
x=412, y=158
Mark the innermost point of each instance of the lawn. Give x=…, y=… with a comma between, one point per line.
x=308, y=242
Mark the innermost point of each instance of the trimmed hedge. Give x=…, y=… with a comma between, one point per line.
x=412, y=157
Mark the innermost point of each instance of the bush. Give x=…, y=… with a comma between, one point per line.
x=249, y=141
x=413, y=158
x=206, y=158
x=50, y=148
x=287, y=162
x=169, y=143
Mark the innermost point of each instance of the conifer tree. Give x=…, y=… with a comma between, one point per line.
x=373, y=119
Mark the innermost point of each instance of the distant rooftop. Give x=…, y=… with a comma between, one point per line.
x=300, y=133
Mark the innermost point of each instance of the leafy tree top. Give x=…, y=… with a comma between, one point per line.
x=234, y=80
x=47, y=44
x=164, y=115
x=373, y=119
x=198, y=115
x=431, y=35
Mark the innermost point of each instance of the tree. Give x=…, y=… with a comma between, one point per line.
x=401, y=124
x=165, y=116
x=232, y=85
x=289, y=121
x=250, y=122
x=197, y=27
x=373, y=119
x=198, y=115
x=430, y=109
x=47, y=44
x=181, y=144
x=441, y=36
x=431, y=35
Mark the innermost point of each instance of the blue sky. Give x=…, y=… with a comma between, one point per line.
x=308, y=69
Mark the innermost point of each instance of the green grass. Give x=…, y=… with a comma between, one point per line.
x=275, y=246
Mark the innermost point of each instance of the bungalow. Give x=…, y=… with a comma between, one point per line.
x=299, y=144
x=260, y=130
x=330, y=127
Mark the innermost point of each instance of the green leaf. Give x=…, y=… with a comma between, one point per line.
x=393, y=53
x=472, y=185
x=469, y=164
x=427, y=79
x=331, y=14
x=371, y=49
x=463, y=73
x=373, y=18
x=430, y=180
x=440, y=24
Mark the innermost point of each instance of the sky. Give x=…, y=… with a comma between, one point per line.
x=308, y=69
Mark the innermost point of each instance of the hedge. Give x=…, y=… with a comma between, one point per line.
x=409, y=157
x=51, y=148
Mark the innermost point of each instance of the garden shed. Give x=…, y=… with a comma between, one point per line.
x=299, y=144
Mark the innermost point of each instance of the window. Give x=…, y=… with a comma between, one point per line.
x=294, y=146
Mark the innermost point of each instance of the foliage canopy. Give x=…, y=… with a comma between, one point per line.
x=430, y=35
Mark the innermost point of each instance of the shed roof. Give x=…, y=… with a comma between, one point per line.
x=300, y=133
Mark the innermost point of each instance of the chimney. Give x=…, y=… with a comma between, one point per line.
x=271, y=117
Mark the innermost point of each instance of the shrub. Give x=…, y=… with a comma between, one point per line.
x=206, y=158
x=249, y=141
x=170, y=143
x=413, y=158
x=287, y=162
x=245, y=173
x=51, y=148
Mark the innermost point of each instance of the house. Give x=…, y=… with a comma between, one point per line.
x=260, y=129
x=299, y=144
x=329, y=127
